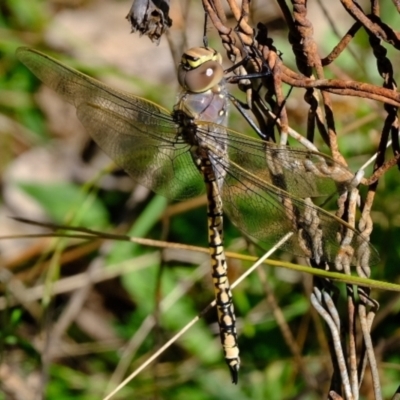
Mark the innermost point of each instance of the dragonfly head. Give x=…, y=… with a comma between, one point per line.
x=200, y=69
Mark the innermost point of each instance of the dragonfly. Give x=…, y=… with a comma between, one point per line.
x=263, y=187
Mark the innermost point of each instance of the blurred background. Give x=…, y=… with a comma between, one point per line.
x=78, y=316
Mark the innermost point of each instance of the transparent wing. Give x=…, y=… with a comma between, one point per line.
x=301, y=172
x=268, y=213
x=140, y=136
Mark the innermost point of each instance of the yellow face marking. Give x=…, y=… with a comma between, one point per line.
x=197, y=56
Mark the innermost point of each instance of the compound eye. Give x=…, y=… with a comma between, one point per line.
x=202, y=78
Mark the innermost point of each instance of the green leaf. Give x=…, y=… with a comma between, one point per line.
x=122, y=251
x=63, y=201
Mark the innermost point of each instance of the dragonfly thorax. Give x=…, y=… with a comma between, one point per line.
x=209, y=106
x=200, y=69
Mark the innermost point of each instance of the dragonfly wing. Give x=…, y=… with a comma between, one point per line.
x=140, y=136
x=76, y=87
x=302, y=172
x=268, y=213
x=164, y=166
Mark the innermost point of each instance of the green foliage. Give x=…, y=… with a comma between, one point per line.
x=65, y=202
x=167, y=293
x=143, y=224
